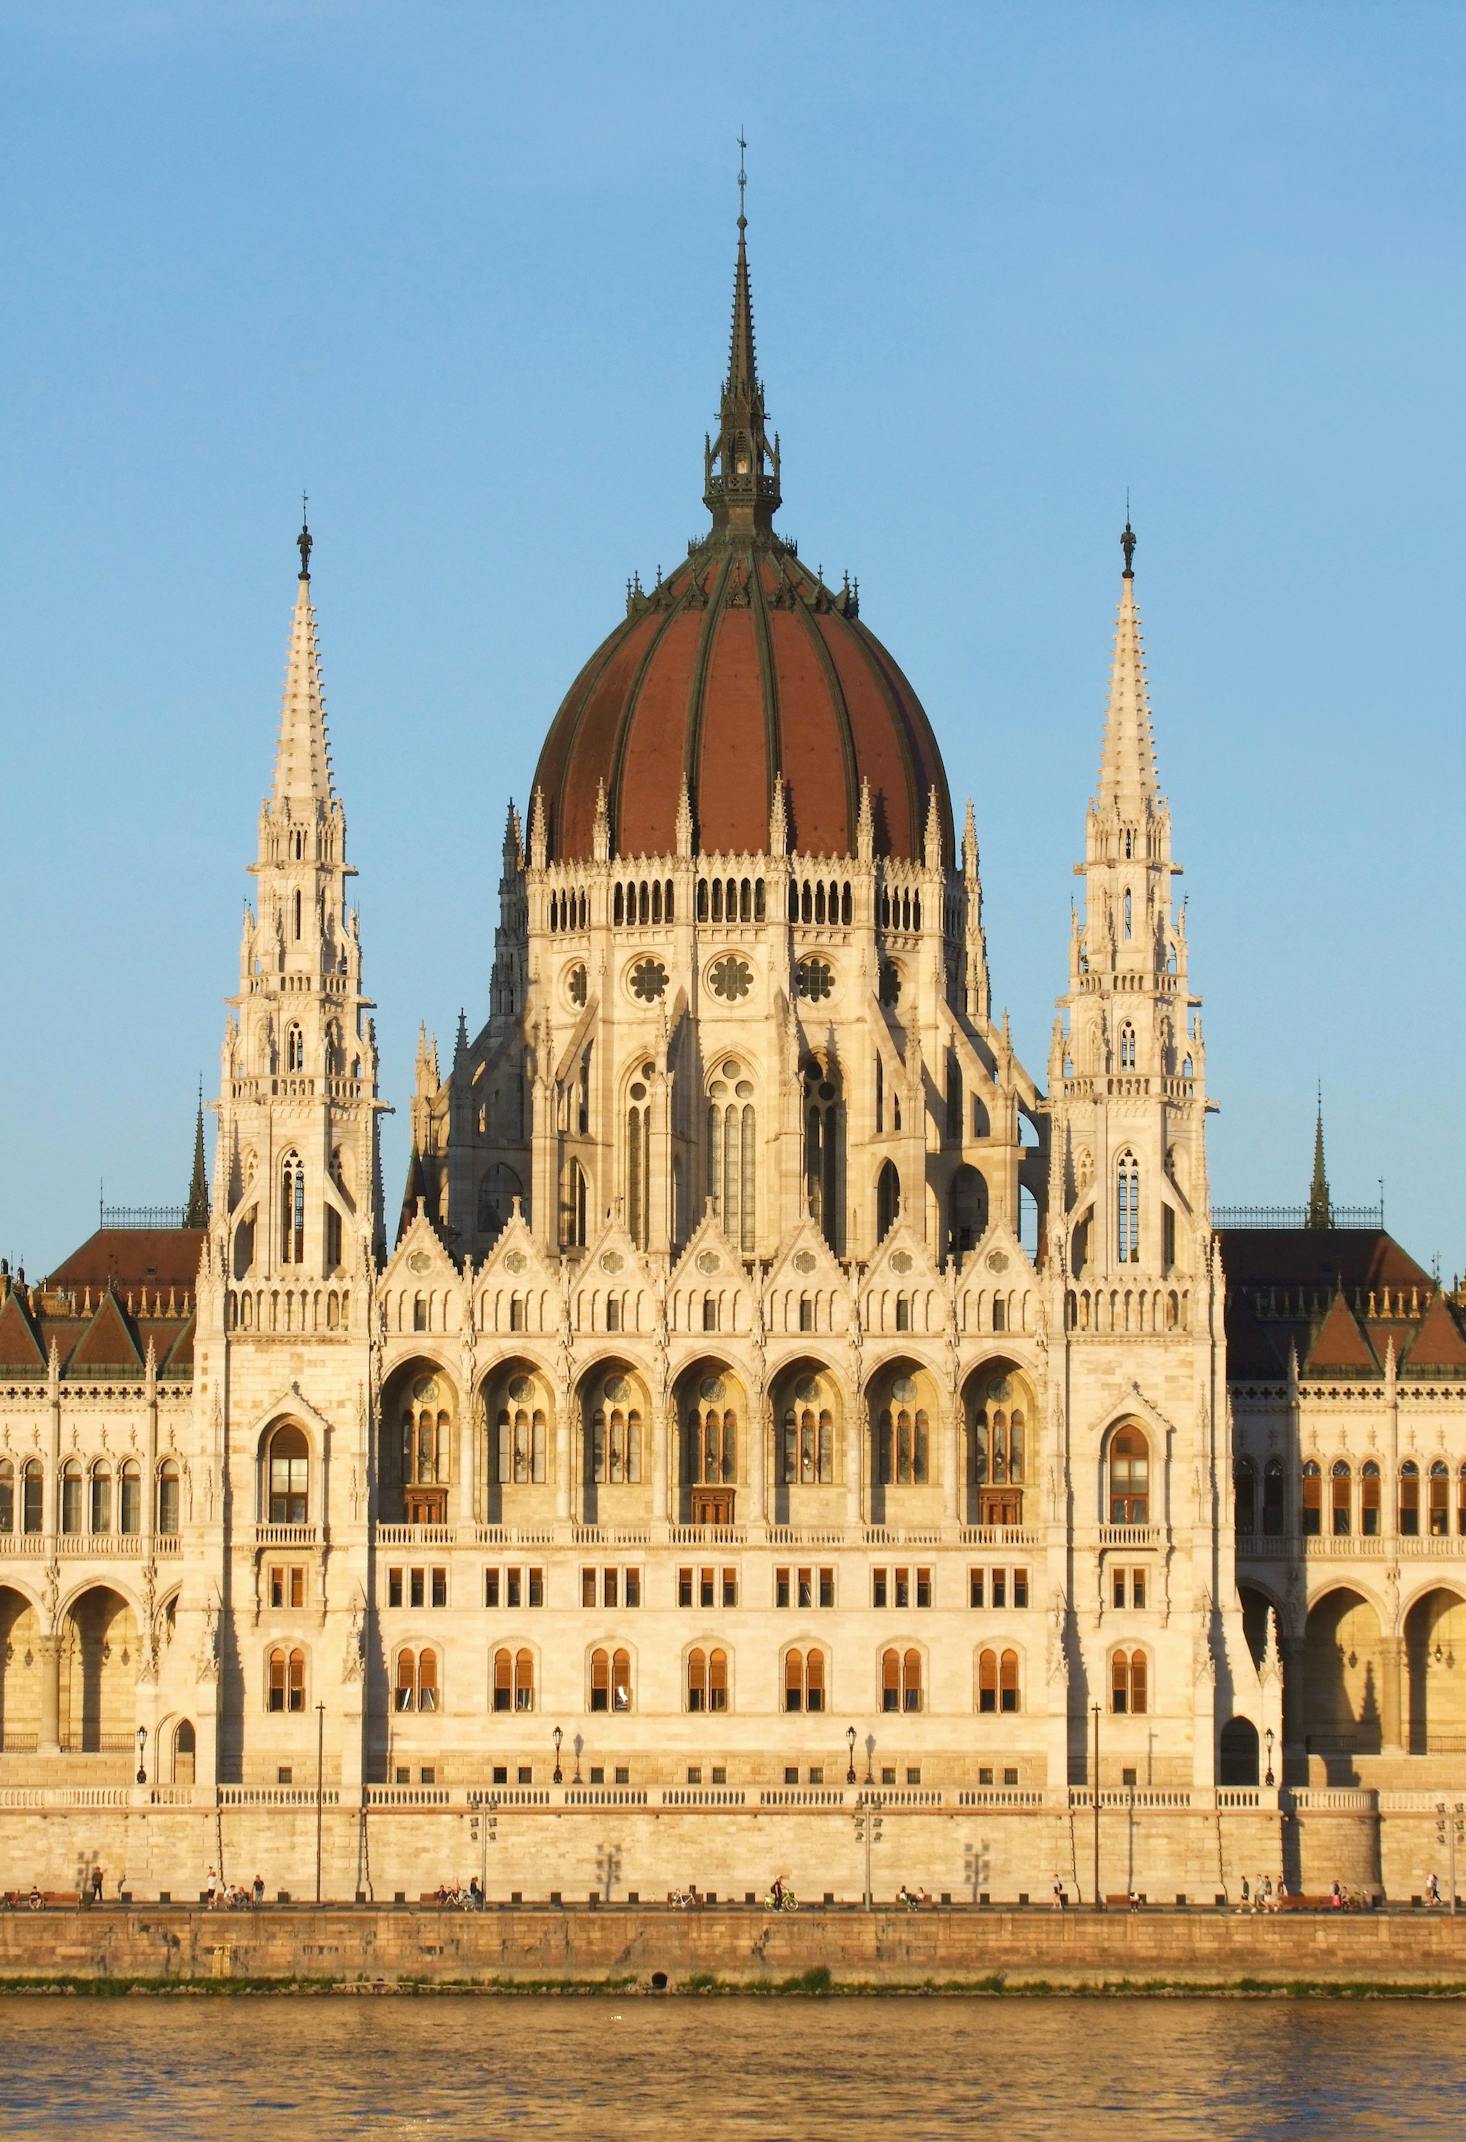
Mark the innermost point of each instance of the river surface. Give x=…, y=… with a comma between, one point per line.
x=318, y=2067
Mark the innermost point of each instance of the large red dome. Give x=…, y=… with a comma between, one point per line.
x=739, y=667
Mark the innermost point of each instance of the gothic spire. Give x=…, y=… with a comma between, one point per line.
x=1127, y=764
x=196, y=1212
x=1320, y=1207
x=303, y=758
x=741, y=467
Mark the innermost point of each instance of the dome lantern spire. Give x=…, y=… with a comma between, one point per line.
x=741, y=466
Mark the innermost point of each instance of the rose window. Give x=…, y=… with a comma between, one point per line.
x=649, y=980
x=813, y=978
x=731, y=978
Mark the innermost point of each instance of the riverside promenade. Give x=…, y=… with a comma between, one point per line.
x=658, y=1950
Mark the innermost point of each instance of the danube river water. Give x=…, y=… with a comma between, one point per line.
x=406, y=2069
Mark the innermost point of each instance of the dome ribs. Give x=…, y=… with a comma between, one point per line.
x=909, y=715
x=649, y=767
x=769, y=680
x=732, y=751
x=660, y=791
x=822, y=811
x=879, y=741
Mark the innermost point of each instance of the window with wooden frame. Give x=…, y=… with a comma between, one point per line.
x=1369, y=1500
x=1409, y=1499
x=287, y=1585
x=807, y=1445
x=900, y=1680
x=1341, y=1498
x=707, y=1680
x=610, y=1680
x=1129, y=1468
x=1129, y=1683
x=1312, y=1500
x=1438, y=1505
x=804, y=1680
x=1244, y=1496
x=904, y=1440
x=417, y=1680
x=286, y=1680
x=513, y=1679
x=167, y=1499
x=288, y=1476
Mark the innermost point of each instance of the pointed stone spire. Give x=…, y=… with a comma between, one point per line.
x=303, y=757
x=538, y=832
x=1320, y=1207
x=1127, y=781
x=970, y=859
x=601, y=830
x=460, y=1042
x=741, y=467
x=196, y=1211
x=684, y=819
x=932, y=839
x=778, y=820
x=865, y=824
x=513, y=844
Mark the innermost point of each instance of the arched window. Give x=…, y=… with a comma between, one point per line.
x=513, y=1680
x=1244, y=1485
x=1461, y=1502
x=733, y=1153
x=1127, y=1047
x=615, y=1434
x=1127, y=1208
x=997, y=1681
x=294, y=1041
x=1438, y=1506
x=905, y=1438
x=288, y=1476
x=1273, y=1509
x=32, y=1508
x=1409, y=1499
x=101, y=1498
x=130, y=1498
x=707, y=1680
x=639, y=1157
x=573, y=1206
x=1341, y=1497
x=1128, y=1685
x=1129, y=1478
x=712, y=1445
x=807, y=1444
x=168, y=1497
x=610, y=1680
x=1312, y=1505
x=804, y=1680
x=71, y=1497
x=292, y=1209
x=417, y=1680
x=7, y=1496
x=286, y=1680
x=900, y=1680
x=1369, y=1499
x=520, y=1436
x=822, y=1169
x=888, y=1197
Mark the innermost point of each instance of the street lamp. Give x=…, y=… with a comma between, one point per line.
x=1094, y=1796
x=559, y=1773
x=142, y=1739
x=850, y=1772
x=1268, y=1779
x=320, y=1795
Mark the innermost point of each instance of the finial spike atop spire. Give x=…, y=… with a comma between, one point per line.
x=1128, y=781
x=196, y=1211
x=303, y=542
x=1127, y=540
x=1320, y=1205
x=741, y=487
x=303, y=756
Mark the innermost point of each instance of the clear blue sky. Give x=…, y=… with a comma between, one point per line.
x=463, y=272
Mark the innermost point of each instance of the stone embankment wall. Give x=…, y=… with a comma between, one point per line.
x=626, y=1845
x=654, y=1949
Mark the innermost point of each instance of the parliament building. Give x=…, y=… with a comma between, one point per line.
x=775, y=1402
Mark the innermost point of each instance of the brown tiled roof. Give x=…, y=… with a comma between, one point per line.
x=20, y=1347
x=1438, y=1344
x=1255, y=1350
x=1319, y=1257
x=109, y=1342
x=1339, y=1343
x=133, y=1258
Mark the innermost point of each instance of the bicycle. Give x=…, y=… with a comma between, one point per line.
x=785, y=1901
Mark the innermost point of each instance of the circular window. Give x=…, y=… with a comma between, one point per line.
x=617, y=1388
x=730, y=1069
x=730, y=978
x=827, y=1091
x=807, y=1390
x=904, y=1388
x=744, y=1089
x=711, y=1388
x=707, y=1261
x=575, y=985
x=638, y=1091
x=805, y=1261
x=612, y=1261
x=901, y=1261
x=649, y=980
x=1000, y=1387
x=521, y=1390
x=515, y=1261
x=890, y=983
x=718, y=1089
x=813, y=978
x=419, y=1261
x=998, y=1261
x=425, y=1389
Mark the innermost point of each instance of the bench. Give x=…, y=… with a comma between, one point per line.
x=50, y=1900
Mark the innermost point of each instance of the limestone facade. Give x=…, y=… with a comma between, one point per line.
x=772, y=1395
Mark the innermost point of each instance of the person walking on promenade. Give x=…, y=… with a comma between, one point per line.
x=1432, y=1889
x=1246, y=1904
x=213, y=1887
x=96, y=1885
x=257, y=1894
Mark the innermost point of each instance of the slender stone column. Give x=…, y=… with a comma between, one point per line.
x=758, y=1468
x=1391, y=1695
x=49, y=1656
x=659, y=1465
